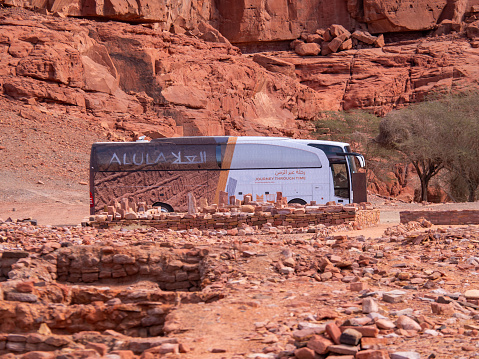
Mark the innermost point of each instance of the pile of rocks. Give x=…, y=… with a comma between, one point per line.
x=333, y=39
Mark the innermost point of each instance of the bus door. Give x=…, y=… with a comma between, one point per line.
x=340, y=173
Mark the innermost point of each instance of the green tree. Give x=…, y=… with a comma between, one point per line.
x=436, y=135
x=355, y=127
x=460, y=140
x=414, y=133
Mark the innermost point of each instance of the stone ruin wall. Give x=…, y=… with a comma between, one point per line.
x=179, y=270
x=65, y=288
x=304, y=217
x=442, y=217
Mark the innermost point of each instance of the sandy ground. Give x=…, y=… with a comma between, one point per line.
x=51, y=203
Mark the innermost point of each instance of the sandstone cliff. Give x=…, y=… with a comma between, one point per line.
x=143, y=79
x=264, y=20
x=147, y=80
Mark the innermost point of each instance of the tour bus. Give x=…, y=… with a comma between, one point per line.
x=162, y=172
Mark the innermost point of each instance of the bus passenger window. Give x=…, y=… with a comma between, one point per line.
x=340, y=179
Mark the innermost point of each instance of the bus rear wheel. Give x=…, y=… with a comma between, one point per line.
x=298, y=200
x=163, y=207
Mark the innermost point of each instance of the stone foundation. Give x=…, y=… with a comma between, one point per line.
x=114, y=265
x=290, y=218
x=442, y=217
x=171, y=270
x=73, y=289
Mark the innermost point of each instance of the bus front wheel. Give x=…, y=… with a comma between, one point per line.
x=298, y=200
x=163, y=207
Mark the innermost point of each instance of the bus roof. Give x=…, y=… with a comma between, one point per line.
x=224, y=139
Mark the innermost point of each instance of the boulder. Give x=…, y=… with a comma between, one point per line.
x=314, y=38
x=335, y=43
x=337, y=30
x=325, y=49
x=379, y=42
x=364, y=36
x=346, y=45
x=307, y=49
x=404, y=322
x=472, y=30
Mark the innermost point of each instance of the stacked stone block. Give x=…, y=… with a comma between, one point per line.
x=113, y=265
x=287, y=217
x=7, y=259
x=455, y=217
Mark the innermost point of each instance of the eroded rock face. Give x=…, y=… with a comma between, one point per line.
x=264, y=20
x=382, y=79
x=155, y=83
x=164, y=84
x=396, y=16
x=273, y=20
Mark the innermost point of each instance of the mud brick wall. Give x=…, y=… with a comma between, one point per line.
x=115, y=265
x=442, y=217
x=230, y=220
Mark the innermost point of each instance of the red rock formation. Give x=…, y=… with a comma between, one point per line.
x=163, y=84
x=265, y=21
x=384, y=78
x=394, y=16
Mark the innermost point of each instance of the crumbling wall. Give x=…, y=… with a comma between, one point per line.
x=442, y=217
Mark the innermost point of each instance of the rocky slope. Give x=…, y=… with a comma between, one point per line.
x=143, y=79
x=138, y=77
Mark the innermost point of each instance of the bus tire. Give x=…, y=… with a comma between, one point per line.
x=298, y=200
x=164, y=207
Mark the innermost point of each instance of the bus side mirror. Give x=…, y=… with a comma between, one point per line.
x=362, y=161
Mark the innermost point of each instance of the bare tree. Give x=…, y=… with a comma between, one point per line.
x=434, y=136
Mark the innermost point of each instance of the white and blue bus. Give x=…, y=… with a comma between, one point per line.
x=162, y=172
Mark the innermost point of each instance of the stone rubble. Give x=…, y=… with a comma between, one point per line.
x=139, y=292
x=333, y=39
